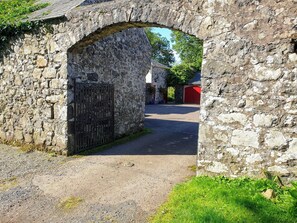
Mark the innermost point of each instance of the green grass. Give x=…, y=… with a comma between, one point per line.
x=171, y=92
x=14, y=11
x=7, y=184
x=119, y=141
x=223, y=200
x=70, y=203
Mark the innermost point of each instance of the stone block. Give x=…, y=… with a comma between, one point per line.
x=275, y=139
x=28, y=138
x=18, y=134
x=217, y=167
x=261, y=120
x=41, y=62
x=278, y=170
x=53, y=98
x=233, y=118
x=60, y=112
x=37, y=73
x=293, y=146
x=245, y=138
x=49, y=73
x=293, y=57
x=18, y=81
x=253, y=158
x=221, y=135
x=265, y=74
x=58, y=83
x=233, y=151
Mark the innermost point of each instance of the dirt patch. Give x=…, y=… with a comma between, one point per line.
x=123, y=184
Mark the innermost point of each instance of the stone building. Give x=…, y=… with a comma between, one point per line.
x=249, y=99
x=156, y=84
x=119, y=62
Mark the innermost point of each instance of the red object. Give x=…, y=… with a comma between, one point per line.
x=192, y=95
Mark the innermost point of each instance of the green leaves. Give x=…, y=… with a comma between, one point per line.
x=181, y=73
x=161, y=51
x=293, y=190
x=12, y=16
x=190, y=50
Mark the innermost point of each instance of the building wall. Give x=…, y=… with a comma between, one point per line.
x=159, y=80
x=122, y=59
x=156, y=78
x=248, y=111
x=33, y=92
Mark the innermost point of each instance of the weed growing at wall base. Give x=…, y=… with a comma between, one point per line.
x=224, y=200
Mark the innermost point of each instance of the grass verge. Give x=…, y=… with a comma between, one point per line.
x=119, y=141
x=224, y=200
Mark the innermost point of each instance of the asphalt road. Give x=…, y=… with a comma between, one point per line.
x=125, y=183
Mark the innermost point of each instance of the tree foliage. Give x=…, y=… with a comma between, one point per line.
x=161, y=50
x=190, y=50
x=180, y=74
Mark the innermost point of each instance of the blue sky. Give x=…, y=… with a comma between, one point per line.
x=164, y=32
x=167, y=34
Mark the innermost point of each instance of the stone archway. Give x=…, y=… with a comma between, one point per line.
x=248, y=110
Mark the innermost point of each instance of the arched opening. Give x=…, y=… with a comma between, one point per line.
x=109, y=85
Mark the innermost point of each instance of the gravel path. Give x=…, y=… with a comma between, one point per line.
x=125, y=183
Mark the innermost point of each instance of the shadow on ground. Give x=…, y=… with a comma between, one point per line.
x=170, y=109
x=168, y=137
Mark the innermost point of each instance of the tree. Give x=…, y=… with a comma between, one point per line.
x=180, y=74
x=161, y=51
x=190, y=50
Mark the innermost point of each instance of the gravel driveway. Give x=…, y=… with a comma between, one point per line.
x=125, y=183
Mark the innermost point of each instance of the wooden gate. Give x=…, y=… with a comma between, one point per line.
x=93, y=115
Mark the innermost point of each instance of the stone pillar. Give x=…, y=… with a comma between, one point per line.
x=248, y=112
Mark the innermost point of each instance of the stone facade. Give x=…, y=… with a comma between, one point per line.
x=249, y=103
x=122, y=59
x=156, y=79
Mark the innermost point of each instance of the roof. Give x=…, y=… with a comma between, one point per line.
x=56, y=9
x=157, y=64
x=196, y=79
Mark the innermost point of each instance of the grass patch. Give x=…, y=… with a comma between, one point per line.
x=14, y=11
x=193, y=168
x=224, y=200
x=8, y=183
x=120, y=141
x=70, y=203
x=24, y=147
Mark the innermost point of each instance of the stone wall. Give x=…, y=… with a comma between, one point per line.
x=122, y=59
x=90, y=2
x=156, y=78
x=159, y=77
x=33, y=92
x=248, y=111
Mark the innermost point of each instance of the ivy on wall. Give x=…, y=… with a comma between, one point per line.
x=13, y=14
